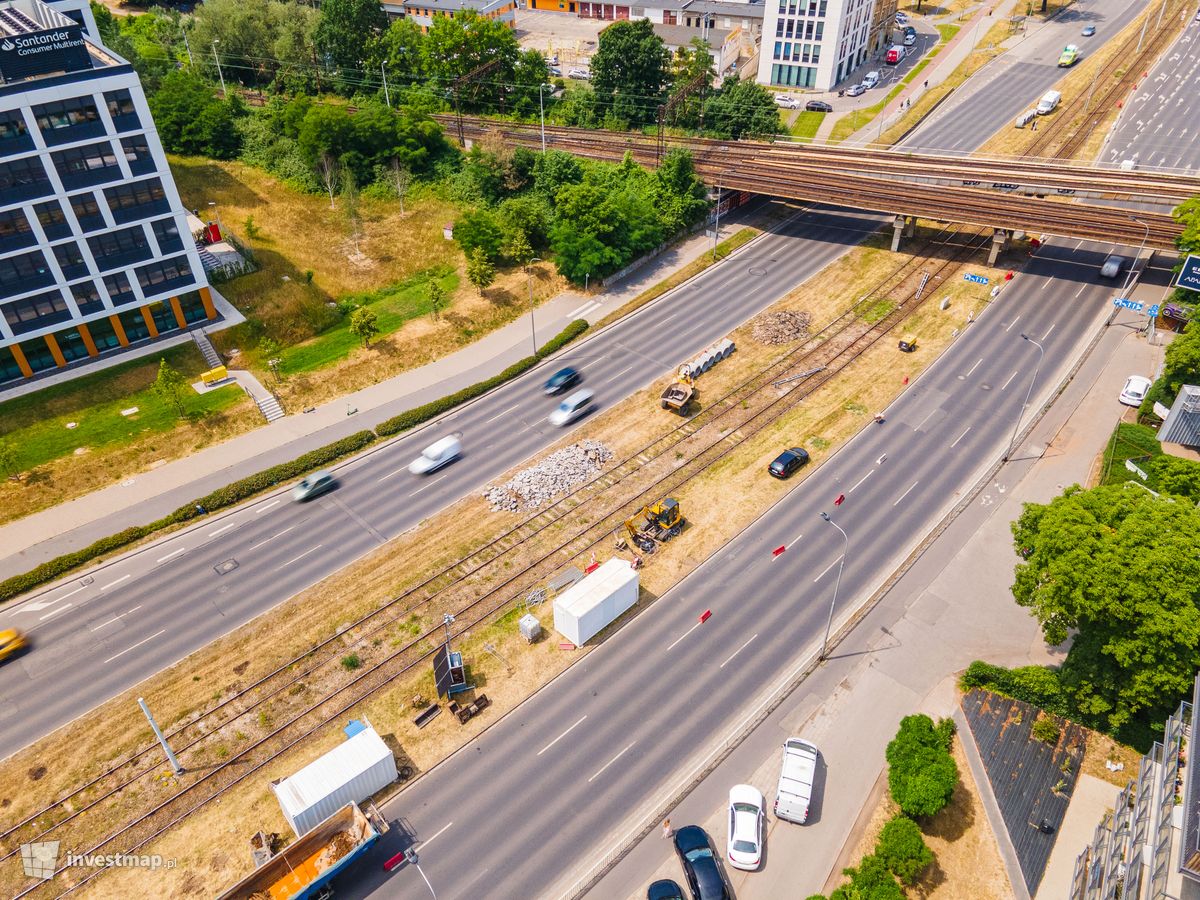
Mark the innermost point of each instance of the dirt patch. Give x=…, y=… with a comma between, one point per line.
x=781, y=327
x=1101, y=749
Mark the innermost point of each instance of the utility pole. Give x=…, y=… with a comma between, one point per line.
x=836, y=585
x=1012, y=445
x=542, y=114
x=529, y=278
x=161, y=739
x=218, y=60
x=475, y=74
x=386, y=98
x=187, y=47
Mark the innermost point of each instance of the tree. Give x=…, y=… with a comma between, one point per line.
x=1119, y=569
x=364, y=324
x=402, y=47
x=348, y=31
x=691, y=64
x=1177, y=476
x=480, y=271
x=741, y=108
x=478, y=229
x=902, y=848
x=169, y=386
x=244, y=30
x=329, y=170
x=681, y=196
x=629, y=71
x=191, y=120
x=871, y=880
x=922, y=774
x=437, y=299
x=1181, y=363
x=516, y=248
x=457, y=46
x=1187, y=214
x=400, y=180
x=9, y=462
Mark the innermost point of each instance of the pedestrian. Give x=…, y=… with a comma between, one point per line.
x=926, y=84
x=1033, y=125
x=667, y=830
x=879, y=417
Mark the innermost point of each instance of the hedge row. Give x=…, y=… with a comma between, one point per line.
x=268, y=478
x=1038, y=686
x=414, y=417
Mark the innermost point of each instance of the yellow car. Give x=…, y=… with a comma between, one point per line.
x=11, y=641
x=1069, y=57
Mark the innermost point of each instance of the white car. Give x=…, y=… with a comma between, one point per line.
x=582, y=74
x=436, y=455
x=745, y=827
x=901, y=18
x=1135, y=389
x=787, y=102
x=856, y=90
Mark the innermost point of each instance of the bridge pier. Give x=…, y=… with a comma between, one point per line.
x=904, y=226
x=999, y=243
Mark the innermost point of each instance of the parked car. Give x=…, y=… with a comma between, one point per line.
x=895, y=55
x=1048, y=103
x=1135, y=389
x=796, y=777
x=574, y=407
x=856, y=90
x=699, y=864
x=901, y=18
x=1069, y=56
x=582, y=74
x=562, y=380
x=788, y=462
x=436, y=455
x=745, y=827
x=786, y=101
x=11, y=642
x=870, y=79
x=818, y=106
x=665, y=889
x=311, y=485
x=554, y=71
x=910, y=39
x=552, y=59
x=1112, y=266
x=1088, y=30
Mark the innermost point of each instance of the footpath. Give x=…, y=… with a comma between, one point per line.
x=148, y=495
x=953, y=606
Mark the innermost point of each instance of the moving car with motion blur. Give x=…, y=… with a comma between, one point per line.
x=11, y=642
x=313, y=485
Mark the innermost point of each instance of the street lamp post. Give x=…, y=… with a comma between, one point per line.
x=1141, y=247
x=836, y=585
x=542, y=114
x=1028, y=393
x=717, y=223
x=218, y=61
x=529, y=278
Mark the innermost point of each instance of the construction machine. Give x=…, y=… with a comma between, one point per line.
x=655, y=524
x=677, y=396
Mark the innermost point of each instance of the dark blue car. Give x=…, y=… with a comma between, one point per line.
x=562, y=380
x=666, y=889
x=700, y=864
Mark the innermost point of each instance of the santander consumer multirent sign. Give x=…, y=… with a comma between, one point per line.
x=56, y=50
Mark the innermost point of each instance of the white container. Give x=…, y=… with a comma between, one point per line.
x=349, y=773
x=585, y=608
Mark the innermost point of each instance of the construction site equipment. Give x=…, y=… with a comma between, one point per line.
x=677, y=396
x=530, y=627
x=707, y=358
x=655, y=524
x=306, y=866
x=583, y=610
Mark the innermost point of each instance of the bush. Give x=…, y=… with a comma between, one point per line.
x=1045, y=729
x=1038, y=686
x=351, y=662
x=902, y=848
x=921, y=773
x=870, y=881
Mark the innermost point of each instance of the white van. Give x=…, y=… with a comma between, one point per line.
x=1048, y=103
x=436, y=455
x=870, y=80
x=794, y=793
x=572, y=408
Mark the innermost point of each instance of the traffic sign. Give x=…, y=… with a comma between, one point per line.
x=1125, y=303
x=1189, y=275
x=978, y=279
x=1152, y=312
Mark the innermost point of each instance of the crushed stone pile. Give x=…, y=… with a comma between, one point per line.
x=559, y=473
x=781, y=327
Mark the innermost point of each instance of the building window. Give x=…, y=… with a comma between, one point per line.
x=816, y=54
x=68, y=120
x=37, y=312
x=53, y=219
x=122, y=111
x=120, y=248
x=819, y=34
x=87, y=212
x=14, y=133
x=166, y=232
x=137, y=154
x=24, y=273
x=160, y=276
x=15, y=230
x=87, y=165
x=137, y=200
x=87, y=297
x=21, y=179
x=119, y=289
x=70, y=260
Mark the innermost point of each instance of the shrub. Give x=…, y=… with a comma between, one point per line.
x=1038, y=686
x=921, y=773
x=351, y=662
x=870, y=881
x=1045, y=729
x=903, y=850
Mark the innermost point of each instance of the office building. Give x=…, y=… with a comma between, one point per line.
x=815, y=44
x=95, y=252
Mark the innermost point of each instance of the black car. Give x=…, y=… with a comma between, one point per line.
x=700, y=864
x=562, y=380
x=818, y=106
x=664, y=890
x=788, y=462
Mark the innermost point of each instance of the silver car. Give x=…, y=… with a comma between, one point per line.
x=311, y=485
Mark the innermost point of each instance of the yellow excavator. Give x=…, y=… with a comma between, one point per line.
x=654, y=525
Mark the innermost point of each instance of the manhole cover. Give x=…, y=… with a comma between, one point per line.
x=757, y=271
x=224, y=568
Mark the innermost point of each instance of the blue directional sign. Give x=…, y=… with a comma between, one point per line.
x=1152, y=312
x=978, y=279
x=1189, y=275
x=1125, y=303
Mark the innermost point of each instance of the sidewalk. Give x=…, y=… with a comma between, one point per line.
x=148, y=495
x=952, y=607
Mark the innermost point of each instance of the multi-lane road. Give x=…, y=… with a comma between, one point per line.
x=96, y=636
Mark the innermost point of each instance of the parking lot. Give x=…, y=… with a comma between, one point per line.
x=572, y=38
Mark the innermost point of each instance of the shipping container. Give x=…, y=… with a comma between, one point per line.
x=585, y=608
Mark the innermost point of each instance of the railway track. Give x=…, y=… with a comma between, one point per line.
x=835, y=346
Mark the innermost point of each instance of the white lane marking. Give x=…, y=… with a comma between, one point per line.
x=971, y=371
x=1010, y=378
x=391, y=473
x=442, y=830
x=828, y=570
x=263, y=509
x=173, y=553
x=135, y=646
x=222, y=529
x=600, y=771
x=619, y=374
x=271, y=538
x=55, y=612
x=960, y=437
x=429, y=485
x=736, y=652
x=924, y=420
x=577, y=310
x=115, y=583
x=501, y=415
x=116, y=617
x=1077, y=246
x=786, y=546
x=561, y=736
x=1018, y=318
x=300, y=557
x=1082, y=287
x=860, y=481
x=685, y=634
x=1048, y=330
x=1046, y=283
x=906, y=493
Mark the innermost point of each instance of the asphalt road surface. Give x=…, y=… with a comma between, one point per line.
x=1013, y=82
x=145, y=611
x=540, y=794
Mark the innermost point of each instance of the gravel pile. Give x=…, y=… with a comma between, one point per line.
x=781, y=327
x=559, y=473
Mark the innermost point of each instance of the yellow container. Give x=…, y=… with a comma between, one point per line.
x=212, y=376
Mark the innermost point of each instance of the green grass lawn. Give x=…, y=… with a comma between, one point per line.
x=393, y=305
x=806, y=124
x=1133, y=442
x=948, y=32
x=35, y=425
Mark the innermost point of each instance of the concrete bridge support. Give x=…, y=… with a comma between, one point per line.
x=904, y=226
x=999, y=243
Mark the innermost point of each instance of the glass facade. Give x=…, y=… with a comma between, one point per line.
x=134, y=324
x=71, y=345
x=104, y=336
